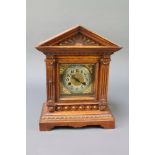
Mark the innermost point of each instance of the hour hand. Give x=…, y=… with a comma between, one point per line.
x=84, y=83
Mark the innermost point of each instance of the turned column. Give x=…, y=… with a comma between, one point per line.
x=50, y=83
x=103, y=81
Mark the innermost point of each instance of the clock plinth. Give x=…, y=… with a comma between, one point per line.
x=77, y=73
x=76, y=119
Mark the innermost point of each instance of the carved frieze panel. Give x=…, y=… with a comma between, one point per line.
x=76, y=107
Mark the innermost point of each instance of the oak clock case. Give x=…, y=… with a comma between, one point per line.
x=77, y=72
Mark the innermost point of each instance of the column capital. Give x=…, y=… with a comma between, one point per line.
x=50, y=61
x=105, y=60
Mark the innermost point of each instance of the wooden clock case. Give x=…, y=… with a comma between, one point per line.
x=77, y=45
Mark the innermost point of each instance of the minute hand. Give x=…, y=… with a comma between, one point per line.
x=79, y=80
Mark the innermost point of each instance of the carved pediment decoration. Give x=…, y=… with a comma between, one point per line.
x=78, y=40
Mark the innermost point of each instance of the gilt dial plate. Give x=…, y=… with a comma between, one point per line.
x=76, y=79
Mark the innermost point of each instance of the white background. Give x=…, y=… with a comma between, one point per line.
x=13, y=87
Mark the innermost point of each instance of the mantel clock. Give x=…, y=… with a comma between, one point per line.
x=77, y=70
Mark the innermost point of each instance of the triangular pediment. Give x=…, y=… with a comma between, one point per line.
x=77, y=38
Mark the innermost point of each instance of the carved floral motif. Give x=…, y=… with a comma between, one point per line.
x=78, y=40
x=105, y=60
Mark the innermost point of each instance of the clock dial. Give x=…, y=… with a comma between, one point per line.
x=77, y=79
